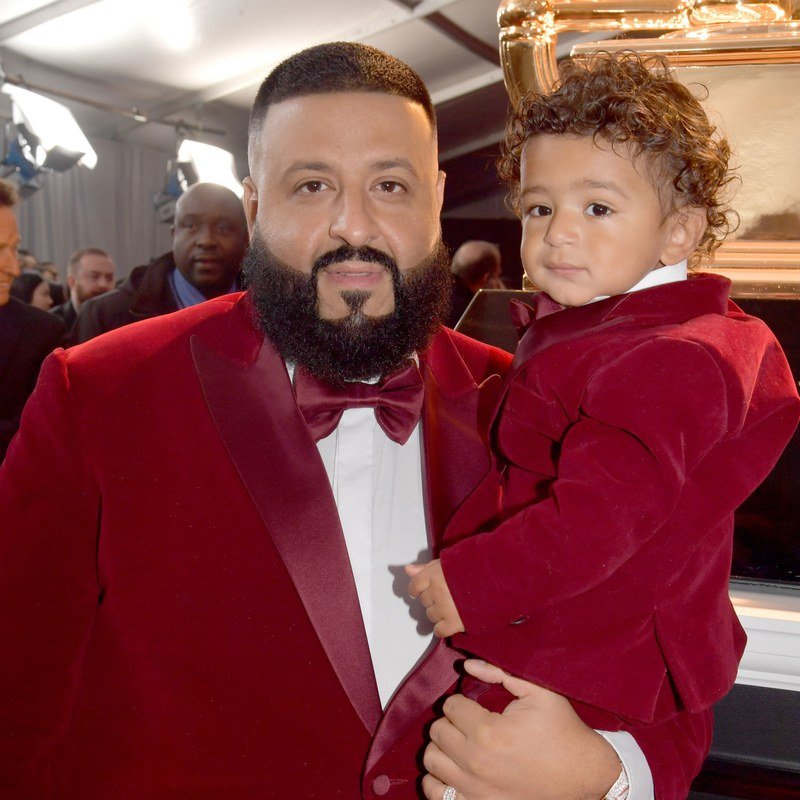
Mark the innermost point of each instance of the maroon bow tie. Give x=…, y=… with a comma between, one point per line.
x=397, y=400
x=523, y=315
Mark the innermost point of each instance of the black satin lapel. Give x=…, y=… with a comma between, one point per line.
x=254, y=410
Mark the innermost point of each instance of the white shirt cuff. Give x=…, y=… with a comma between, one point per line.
x=630, y=754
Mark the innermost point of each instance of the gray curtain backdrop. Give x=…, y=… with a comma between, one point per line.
x=109, y=207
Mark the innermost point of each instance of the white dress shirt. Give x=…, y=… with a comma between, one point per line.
x=377, y=485
x=656, y=277
x=378, y=488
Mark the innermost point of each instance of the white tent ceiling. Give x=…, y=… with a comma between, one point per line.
x=200, y=61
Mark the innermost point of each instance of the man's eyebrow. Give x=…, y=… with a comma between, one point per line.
x=394, y=163
x=309, y=166
x=383, y=164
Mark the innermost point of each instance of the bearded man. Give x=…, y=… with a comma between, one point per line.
x=201, y=593
x=90, y=273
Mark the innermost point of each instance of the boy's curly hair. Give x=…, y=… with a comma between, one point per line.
x=625, y=98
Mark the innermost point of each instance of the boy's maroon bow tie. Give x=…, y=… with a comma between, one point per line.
x=397, y=400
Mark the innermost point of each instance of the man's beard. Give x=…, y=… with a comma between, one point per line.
x=357, y=347
x=83, y=296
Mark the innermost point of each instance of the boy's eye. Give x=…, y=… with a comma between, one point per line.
x=598, y=210
x=539, y=211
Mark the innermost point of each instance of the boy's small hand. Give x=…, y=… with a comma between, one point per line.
x=429, y=586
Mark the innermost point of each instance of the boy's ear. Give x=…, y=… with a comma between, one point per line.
x=687, y=226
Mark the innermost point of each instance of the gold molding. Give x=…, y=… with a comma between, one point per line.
x=755, y=268
x=688, y=33
x=718, y=49
x=759, y=269
x=529, y=29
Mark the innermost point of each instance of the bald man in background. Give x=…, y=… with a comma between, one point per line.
x=209, y=240
x=476, y=265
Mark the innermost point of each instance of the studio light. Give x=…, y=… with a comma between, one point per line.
x=206, y=163
x=164, y=201
x=19, y=166
x=195, y=163
x=49, y=131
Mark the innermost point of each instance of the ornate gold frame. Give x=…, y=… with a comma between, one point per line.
x=687, y=33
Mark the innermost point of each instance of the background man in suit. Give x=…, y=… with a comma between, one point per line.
x=236, y=494
x=90, y=273
x=476, y=265
x=209, y=239
x=27, y=334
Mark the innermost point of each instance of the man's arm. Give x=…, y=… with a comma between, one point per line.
x=538, y=749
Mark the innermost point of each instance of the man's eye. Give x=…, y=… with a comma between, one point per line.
x=598, y=210
x=391, y=187
x=312, y=187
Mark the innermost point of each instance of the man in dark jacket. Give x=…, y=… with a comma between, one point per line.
x=209, y=239
x=27, y=334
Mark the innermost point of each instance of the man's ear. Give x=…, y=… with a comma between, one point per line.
x=70, y=282
x=250, y=203
x=687, y=226
x=440, y=178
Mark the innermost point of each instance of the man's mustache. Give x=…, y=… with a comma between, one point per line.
x=347, y=253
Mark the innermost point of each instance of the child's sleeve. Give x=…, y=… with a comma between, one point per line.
x=667, y=421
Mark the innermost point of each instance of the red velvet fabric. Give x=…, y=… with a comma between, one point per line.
x=629, y=431
x=179, y=618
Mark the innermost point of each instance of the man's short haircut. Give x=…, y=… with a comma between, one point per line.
x=338, y=67
x=75, y=259
x=8, y=195
x=629, y=100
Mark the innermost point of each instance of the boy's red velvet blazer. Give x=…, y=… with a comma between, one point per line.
x=177, y=613
x=629, y=431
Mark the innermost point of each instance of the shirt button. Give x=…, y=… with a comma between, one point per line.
x=381, y=785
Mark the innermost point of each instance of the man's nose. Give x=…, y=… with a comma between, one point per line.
x=353, y=222
x=9, y=263
x=207, y=236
